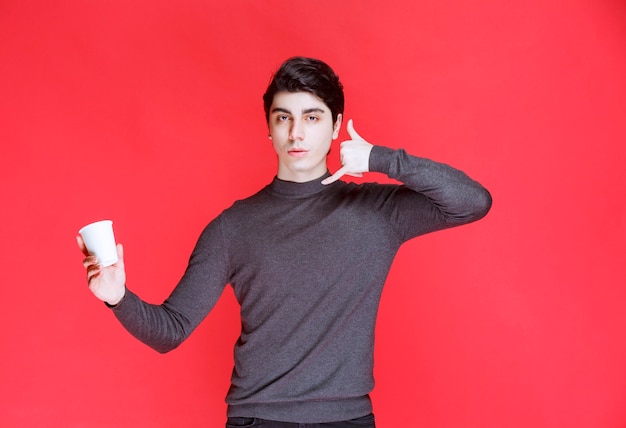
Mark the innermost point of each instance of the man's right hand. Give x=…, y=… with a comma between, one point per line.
x=107, y=284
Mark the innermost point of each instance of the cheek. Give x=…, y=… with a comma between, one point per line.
x=275, y=145
x=329, y=137
x=275, y=128
x=325, y=148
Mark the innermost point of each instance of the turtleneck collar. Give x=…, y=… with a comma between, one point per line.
x=294, y=190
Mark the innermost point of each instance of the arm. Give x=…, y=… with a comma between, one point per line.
x=443, y=196
x=164, y=327
x=434, y=196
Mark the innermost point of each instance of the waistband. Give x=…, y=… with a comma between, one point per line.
x=313, y=411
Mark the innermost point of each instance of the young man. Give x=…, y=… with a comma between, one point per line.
x=307, y=257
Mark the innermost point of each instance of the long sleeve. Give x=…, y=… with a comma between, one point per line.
x=164, y=327
x=434, y=195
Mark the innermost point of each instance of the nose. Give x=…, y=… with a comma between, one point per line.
x=296, y=133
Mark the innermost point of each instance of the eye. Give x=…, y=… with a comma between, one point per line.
x=312, y=118
x=282, y=118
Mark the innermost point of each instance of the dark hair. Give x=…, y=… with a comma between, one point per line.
x=300, y=74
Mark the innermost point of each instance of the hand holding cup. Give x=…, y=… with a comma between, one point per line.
x=104, y=261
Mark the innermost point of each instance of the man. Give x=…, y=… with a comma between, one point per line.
x=307, y=257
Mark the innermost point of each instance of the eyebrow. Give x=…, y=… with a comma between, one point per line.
x=305, y=111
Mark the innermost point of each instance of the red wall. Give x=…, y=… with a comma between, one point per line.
x=149, y=113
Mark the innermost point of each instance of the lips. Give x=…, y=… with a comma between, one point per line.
x=297, y=152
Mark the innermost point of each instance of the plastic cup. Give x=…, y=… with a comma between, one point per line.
x=100, y=241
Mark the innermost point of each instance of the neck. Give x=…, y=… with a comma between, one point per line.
x=301, y=177
x=297, y=190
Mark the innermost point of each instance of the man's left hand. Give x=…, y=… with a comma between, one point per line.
x=355, y=156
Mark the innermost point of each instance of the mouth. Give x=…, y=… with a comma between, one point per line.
x=297, y=152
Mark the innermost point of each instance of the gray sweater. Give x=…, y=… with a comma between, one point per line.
x=307, y=263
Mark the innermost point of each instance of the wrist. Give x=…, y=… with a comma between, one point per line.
x=111, y=303
x=379, y=159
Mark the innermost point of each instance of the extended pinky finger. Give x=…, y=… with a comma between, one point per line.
x=336, y=176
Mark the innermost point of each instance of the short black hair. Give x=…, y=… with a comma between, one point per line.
x=301, y=74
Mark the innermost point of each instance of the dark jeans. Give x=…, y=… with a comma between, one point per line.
x=363, y=422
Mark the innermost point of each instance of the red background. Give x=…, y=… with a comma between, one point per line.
x=150, y=113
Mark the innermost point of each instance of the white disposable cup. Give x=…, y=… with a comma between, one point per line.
x=100, y=241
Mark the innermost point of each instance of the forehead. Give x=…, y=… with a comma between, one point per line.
x=295, y=102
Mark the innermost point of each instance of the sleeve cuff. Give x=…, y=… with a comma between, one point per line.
x=108, y=305
x=380, y=158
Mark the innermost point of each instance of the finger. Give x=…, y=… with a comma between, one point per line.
x=90, y=261
x=81, y=245
x=120, y=254
x=336, y=176
x=353, y=134
x=93, y=272
x=355, y=174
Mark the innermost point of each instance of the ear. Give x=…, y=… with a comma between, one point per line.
x=337, y=126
